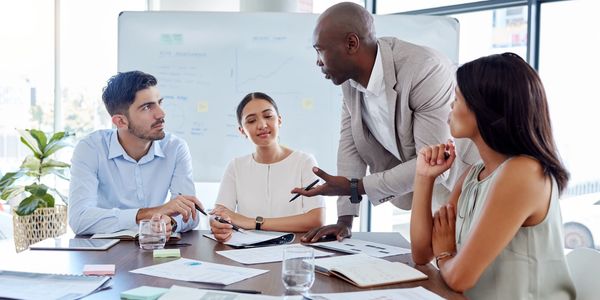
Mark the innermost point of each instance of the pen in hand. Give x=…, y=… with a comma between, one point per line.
x=235, y=227
x=306, y=189
x=197, y=207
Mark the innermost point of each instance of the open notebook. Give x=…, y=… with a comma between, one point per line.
x=366, y=271
x=128, y=234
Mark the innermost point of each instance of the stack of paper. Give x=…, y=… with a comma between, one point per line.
x=261, y=255
x=354, y=246
x=199, y=271
x=24, y=285
x=184, y=293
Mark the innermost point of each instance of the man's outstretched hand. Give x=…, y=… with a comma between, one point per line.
x=333, y=186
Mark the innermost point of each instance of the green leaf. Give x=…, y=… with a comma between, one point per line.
x=48, y=199
x=58, y=172
x=51, y=163
x=57, y=142
x=52, y=148
x=30, y=142
x=29, y=205
x=31, y=163
x=9, y=178
x=37, y=189
x=12, y=192
x=40, y=138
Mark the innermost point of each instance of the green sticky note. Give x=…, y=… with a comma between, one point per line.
x=167, y=253
x=144, y=293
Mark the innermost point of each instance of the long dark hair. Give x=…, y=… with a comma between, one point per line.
x=250, y=97
x=510, y=106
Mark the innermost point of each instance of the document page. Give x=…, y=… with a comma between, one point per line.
x=360, y=246
x=24, y=285
x=250, y=237
x=199, y=271
x=261, y=255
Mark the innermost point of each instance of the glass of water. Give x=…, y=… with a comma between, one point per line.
x=298, y=268
x=152, y=234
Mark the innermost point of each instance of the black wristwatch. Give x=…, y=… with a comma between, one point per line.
x=355, y=196
x=259, y=221
x=173, y=225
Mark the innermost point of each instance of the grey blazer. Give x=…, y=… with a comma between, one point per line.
x=419, y=85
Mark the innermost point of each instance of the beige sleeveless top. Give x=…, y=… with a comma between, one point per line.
x=533, y=265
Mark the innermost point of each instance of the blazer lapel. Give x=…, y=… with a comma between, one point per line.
x=389, y=77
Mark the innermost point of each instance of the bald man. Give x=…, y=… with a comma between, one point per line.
x=397, y=99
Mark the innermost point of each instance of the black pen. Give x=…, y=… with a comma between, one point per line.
x=197, y=207
x=235, y=227
x=306, y=189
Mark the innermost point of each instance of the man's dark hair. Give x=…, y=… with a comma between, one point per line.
x=119, y=92
x=510, y=106
x=250, y=97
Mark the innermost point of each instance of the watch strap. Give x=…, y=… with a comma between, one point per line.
x=355, y=196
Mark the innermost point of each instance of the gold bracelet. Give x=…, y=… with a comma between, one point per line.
x=443, y=255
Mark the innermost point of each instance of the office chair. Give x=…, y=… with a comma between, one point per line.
x=584, y=264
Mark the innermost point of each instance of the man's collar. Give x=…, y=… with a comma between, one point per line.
x=115, y=149
x=375, y=85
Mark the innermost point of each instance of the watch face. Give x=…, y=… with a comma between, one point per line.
x=259, y=219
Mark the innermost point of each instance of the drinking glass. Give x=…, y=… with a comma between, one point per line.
x=298, y=268
x=152, y=234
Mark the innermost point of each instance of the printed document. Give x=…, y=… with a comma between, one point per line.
x=24, y=285
x=262, y=255
x=417, y=293
x=199, y=271
x=354, y=246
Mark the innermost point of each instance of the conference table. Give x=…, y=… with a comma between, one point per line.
x=127, y=256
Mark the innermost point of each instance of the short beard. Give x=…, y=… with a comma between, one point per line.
x=145, y=135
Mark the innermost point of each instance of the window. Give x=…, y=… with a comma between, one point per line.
x=492, y=31
x=397, y=6
x=88, y=59
x=26, y=77
x=569, y=70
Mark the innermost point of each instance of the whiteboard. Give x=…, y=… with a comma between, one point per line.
x=206, y=62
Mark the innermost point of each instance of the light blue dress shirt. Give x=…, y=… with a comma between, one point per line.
x=108, y=187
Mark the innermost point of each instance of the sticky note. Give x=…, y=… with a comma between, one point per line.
x=143, y=293
x=101, y=270
x=167, y=253
x=202, y=106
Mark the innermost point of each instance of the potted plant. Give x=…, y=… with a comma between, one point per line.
x=37, y=216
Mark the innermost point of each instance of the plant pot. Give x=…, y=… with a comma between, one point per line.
x=43, y=223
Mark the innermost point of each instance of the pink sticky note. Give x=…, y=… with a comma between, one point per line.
x=101, y=270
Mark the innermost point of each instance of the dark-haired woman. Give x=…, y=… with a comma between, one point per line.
x=255, y=190
x=500, y=234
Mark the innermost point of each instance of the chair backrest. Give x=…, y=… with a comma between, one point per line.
x=584, y=264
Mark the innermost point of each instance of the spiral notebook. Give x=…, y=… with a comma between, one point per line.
x=25, y=285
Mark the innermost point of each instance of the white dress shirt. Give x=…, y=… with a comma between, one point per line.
x=375, y=112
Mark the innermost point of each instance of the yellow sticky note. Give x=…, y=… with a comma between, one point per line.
x=202, y=106
x=308, y=103
x=166, y=253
